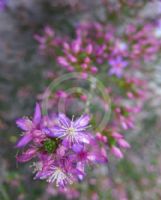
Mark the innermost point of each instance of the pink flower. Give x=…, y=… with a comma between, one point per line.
x=117, y=66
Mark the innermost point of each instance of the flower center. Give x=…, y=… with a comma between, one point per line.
x=71, y=131
x=59, y=177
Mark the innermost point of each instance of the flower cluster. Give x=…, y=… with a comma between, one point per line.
x=98, y=47
x=62, y=147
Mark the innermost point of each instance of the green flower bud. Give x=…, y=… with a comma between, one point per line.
x=50, y=145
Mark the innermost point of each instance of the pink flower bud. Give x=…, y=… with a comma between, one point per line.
x=49, y=31
x=98, y=135
x=130, y=95
x=66, y=46
x=84, y=66
x=84, y=75
x=116, y=151
x=70, y=68
x=117, y=135
x=123, y=143
x=63, y=61
x=76, y=47
x=84, y=98
x=87, y=60
x=117, y=110
x=94, y=70
x=89, y=49
x=72, y=58
x=94, y=196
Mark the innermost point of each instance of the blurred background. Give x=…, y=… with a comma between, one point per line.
x=24, y=74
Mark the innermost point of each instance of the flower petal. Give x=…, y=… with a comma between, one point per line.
x=37, y=114
x=83, y=138
x=53, y=132
x=25, y=124
x=24, y=140
x=82, y=121
x=26, y=156
x=64, y=121
x=77, y=148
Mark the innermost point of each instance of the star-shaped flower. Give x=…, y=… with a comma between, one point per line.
x=71, y=131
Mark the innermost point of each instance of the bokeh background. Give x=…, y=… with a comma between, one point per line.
x=24, y=74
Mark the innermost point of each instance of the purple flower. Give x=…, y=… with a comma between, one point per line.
x=92, y=153
x=117, y=66
x=71, y=131
x=59, y=176
x=31, y=128
x=54, y=169
x=83, y=155
x=3, y=4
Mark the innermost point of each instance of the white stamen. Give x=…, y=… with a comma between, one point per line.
x=37, y=166
x=59, y=177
